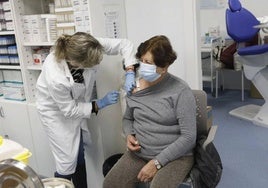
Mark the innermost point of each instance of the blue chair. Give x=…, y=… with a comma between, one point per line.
x=241, y=27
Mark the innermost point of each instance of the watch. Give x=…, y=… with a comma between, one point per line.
x=157, y=164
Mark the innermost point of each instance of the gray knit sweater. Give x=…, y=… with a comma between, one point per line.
x=163, y=119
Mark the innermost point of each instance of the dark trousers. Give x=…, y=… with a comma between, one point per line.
x=79, y=177
x=124, y=173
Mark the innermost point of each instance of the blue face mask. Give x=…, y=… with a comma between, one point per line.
x=148, y=72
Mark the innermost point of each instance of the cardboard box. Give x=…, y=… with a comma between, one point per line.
x=39, y=55
x=8, y=16
x=39, y=58
x=39, y=34
x=13, y=91
x=41, y=28
x=6, y=6
x=209, y=117
x=12, y=76
x=9, y=25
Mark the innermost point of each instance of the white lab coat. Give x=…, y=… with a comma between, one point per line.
x=64, y=105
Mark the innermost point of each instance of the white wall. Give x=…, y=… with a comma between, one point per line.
x=175, y=19
x=109, y=78
x=107, y=125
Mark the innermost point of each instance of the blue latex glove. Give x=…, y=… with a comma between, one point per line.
x=110, y=98
x=130, y=81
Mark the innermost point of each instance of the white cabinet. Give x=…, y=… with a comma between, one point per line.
x=19, y=120
x=15, y=124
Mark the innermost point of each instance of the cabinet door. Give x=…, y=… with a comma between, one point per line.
x=45, y=162
x=16, y=125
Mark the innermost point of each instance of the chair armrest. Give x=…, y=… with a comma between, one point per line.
x=211, y=135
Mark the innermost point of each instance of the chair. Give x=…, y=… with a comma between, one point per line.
x=241, y=27
x=210, y=68
x=225, y=56
x=202, y=130
x=214, y=68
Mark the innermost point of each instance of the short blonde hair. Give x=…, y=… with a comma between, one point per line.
x=82, y=48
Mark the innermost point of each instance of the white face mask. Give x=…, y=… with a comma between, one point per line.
x=148, y=72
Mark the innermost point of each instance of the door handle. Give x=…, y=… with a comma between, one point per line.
x=2, y=114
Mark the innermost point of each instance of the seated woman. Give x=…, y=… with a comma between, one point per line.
x=159, y=123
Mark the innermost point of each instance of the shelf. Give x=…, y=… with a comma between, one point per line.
x=70, y=24
x=2, y=99
x=38, y=43
x=34, y=67
x=7, y=32
x=14, y=67
x=48, y=16
x=65, y=9
x=7, y=54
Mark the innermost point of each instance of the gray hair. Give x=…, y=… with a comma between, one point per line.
x=82, y=48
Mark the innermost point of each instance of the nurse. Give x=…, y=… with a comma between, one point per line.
x=65, y=96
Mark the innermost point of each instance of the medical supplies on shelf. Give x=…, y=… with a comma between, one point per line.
x=13, y=91
x=8, y=50
x=7, y=40
x=39, y=28
x=11, y=85
x=72, y=16
x=6, y=20
x=40, y=54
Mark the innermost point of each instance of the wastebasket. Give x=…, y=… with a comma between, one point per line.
x=110, y=162
x=12, y=149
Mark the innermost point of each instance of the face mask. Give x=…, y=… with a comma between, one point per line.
x=148, y=72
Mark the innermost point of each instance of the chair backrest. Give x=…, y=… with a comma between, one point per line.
x=207, y=168
x=240, y=22
x=201, y=112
